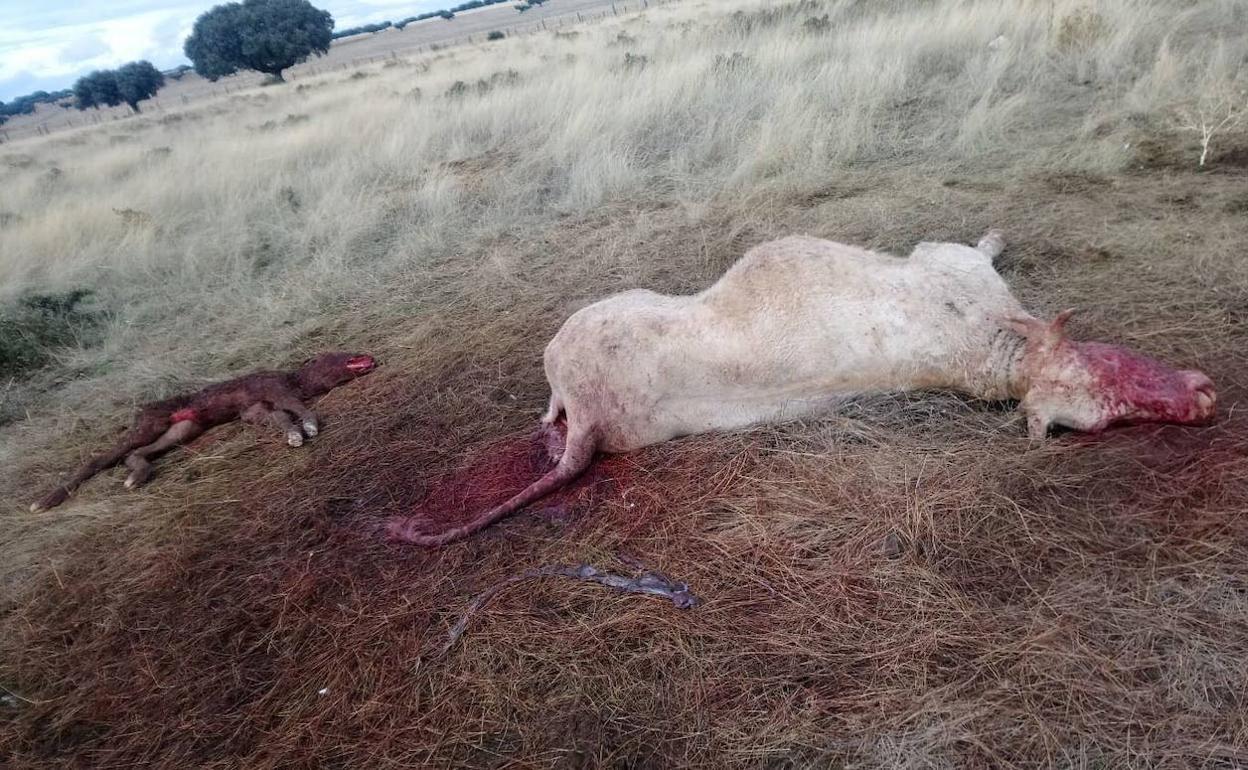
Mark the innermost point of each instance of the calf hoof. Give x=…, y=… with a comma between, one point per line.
x=310, y=428
x=50, y=500
x=137, y=479
x=294, y=438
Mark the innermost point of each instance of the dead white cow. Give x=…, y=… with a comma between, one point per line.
x=801, y=323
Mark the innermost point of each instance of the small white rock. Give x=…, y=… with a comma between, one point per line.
x=323, y=691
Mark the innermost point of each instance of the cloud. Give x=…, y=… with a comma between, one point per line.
x=82, y=49
x=64, y=52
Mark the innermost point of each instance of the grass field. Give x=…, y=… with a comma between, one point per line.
x=905, y=583
x=345, y=56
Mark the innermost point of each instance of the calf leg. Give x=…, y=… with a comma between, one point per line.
x=147, y=428
x=261, y=414
x=138, y=461
x=296, y=407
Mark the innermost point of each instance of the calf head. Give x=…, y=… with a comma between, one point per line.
x=327, y=371
x=1089, y=386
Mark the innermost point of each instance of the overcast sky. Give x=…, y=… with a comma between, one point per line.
x=46, y=44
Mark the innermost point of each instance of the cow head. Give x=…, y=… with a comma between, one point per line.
x=1089, y=386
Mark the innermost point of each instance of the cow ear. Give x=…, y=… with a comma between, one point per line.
x=1058, y=326
x=1024, y=325
x=1055, y=331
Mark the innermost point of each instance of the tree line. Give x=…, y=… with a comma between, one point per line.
x=24, y=105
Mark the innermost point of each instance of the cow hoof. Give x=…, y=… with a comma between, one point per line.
x=294, y=438
x=309, y=427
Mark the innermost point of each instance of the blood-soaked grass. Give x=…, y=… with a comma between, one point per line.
x=908, y=582
x=1077, y=600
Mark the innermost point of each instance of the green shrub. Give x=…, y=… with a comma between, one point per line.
x=36, y=326
x=495, y=35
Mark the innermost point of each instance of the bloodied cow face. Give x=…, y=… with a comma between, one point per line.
x=1089, y=386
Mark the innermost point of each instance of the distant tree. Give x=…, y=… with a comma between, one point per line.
x=24, y=105
x=264, y=35
x=496, y=35
x=98, y=89
x=137, y=81
x=446, y=15
x=83, y=98
x=374, y=28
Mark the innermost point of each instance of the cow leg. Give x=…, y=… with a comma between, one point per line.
x=992, y=244
x=554, y=410
x=138, y=461
x=553, y=441
x=261, y=414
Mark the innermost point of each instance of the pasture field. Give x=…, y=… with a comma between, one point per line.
x=346, y=54
x=905, y=583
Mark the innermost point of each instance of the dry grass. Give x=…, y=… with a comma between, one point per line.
x=905, y=584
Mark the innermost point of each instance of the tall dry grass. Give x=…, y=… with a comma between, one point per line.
x=260, y=223
x=904, y=584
